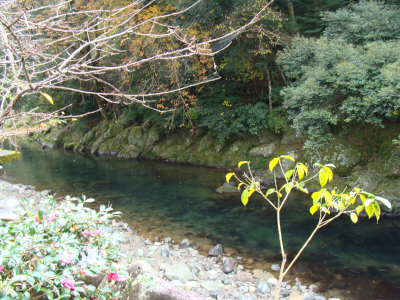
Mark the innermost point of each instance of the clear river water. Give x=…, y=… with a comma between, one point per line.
x=354, y=261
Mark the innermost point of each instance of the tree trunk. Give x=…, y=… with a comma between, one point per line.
x=269, y=91
x=290, y=9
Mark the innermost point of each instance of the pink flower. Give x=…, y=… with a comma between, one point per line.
x=1, y=269
x=116, y=277
x=103, y=252
x=114, y=298
x=96, y=232
x=53, y=215
x=37, y=220
x=86, y=233
x=82, y=272
x=112, y=276
x=53, y=244
x=68, y=283
x=66, y=258
x=84, y=286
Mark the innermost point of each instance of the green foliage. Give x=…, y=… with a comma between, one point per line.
x=334, y=81
x=45, y=254
x=366, y=21
x=323, y=201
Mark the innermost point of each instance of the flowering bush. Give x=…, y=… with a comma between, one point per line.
x=51, y=253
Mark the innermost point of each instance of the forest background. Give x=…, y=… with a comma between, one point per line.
x=316, y=65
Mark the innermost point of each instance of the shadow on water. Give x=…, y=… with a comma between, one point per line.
x=353, y=261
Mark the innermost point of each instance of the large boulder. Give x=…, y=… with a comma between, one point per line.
x=264, y=150
x=179, y=271
x=343, y=154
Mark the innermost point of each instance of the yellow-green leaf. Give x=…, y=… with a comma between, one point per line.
x=300, y=171
x=359, y=209
x=316, y=195
x=273, y=163
x=303, y=166
x=289, y=174
x=362, y=197
x=48, y=97
x=329, y=172
x=245, y=197
x=242, y=162
x=288, y=157
x=314, y=209
x=377, y=211
x=325, y=210
x=228, y=176
x=370, y=209
x=353, y=217
x=323, y=177
x=304, y=190
x=240, y=184
x=328, y=197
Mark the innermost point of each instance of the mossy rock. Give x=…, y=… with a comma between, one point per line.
x=389, y=161
x=389, y=189
x=343, y=154
x=290, y=137
x=55, y=138
x=227, y=189
x=153, y=136
x=366, y=180
x=264, y=150
x=9, y=156
x=266, y=136
x=206, y=143
x=135, y=135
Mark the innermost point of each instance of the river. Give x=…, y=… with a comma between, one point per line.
x=360, y=261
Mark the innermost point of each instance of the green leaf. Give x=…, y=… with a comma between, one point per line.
x=287, y=157
x=288, y=187
x=32, y=230
x=243, y=162
x=384, y=201
x=289, y=174
x=304, y=190
x=228, y=176
x=30, y=280
x=273, y=163
x=353, y=217
x=314, y=209
x=40, y=214
x=270, y=191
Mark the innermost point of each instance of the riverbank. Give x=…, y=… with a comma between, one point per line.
x=364, y=159
x=187, y=266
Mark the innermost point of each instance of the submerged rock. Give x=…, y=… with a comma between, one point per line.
x=216, y=250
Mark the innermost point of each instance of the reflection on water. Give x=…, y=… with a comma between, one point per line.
x=163, y=199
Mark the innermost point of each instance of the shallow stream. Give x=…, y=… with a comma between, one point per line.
x=353, y=261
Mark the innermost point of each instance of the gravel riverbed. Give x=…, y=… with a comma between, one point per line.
x=211, y=272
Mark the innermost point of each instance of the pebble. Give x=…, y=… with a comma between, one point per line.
x=275, y=267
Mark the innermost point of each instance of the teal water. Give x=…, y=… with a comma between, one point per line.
x=161, y=199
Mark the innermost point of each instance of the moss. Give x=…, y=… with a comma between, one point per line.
x=9, y=156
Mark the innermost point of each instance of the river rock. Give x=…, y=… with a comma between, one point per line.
x=272, y=281
x=244, y=277
x=295, y=296
x=275, y=267
x=216, y=250
x=229, y=264
x=179, y=271
x=177, y=282
x=185, y=244
x=319, y=297
x=167, y=240
x=210, y=285
x=263, y=287
x=259, y=274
